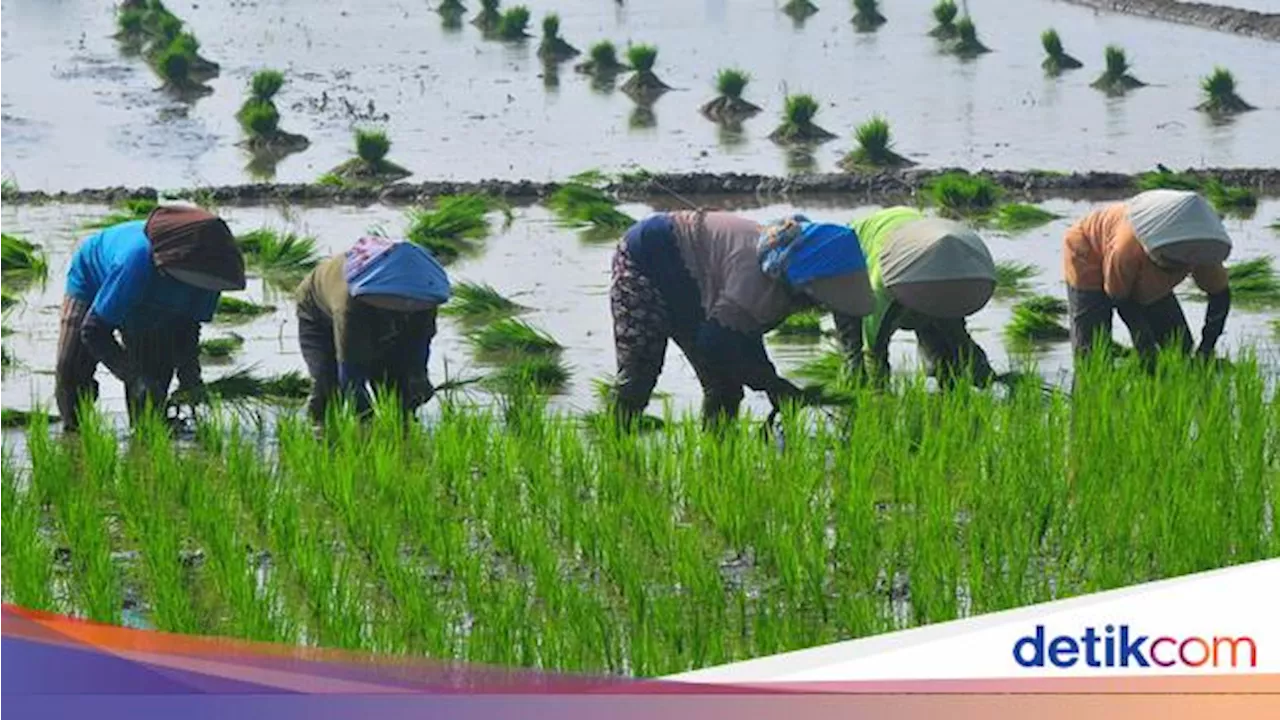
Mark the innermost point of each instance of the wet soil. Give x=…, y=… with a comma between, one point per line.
x=1216, y=17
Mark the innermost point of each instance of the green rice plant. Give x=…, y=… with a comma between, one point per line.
x=1056, y=58
x=544, y=373
x=11, y=418
x=265, y=84
x=1115, y=79
x=129, y=23
x=944, y=14
x=475, y=302
x=452, y=226
x=602, y=62
x=961, y=195
x=1037, y=320
x=1164, y=179
x=8, y=189
x=866, y=15
x=797, y=122
x=243, y=384
x=28, y=559
x=801, y=326
x=966, y=43
x=125, y=211
x=1016, y=217
x=514, y=23
x=1012, y=277
x=8, y=299
x=489, y=18
x=728, y=107
x=579, y=205
x=1229, y=199
x=259, y=119
x=370, y=163
x=234, y=309
x=372, y=146
x=23, y=262
x=553, y=47
x=510, y=337
x=875, y=147
x=221, y=348
x=448, y=7
x=643, y=86
x=278, y=253
x=799, y=10
x=1220, y=97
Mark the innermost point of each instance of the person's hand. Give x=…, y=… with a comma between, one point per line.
x=420, y=391
x=782, y=391
x=192, y=393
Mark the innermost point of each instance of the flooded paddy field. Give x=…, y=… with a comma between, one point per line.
x=78, y=113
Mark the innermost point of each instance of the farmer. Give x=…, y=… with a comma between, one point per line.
x=367, y=316
x=1130, y=255
x=155, y=281
x=715, y=283
x=928, y=275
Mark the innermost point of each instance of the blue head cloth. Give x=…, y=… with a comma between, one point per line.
x=401, y=269
x=799, y=251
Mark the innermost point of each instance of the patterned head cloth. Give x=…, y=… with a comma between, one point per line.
x=195, y=247
x=363, y=253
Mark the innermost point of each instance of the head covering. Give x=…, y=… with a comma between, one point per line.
x=937, y=267
x=1178, y=226
x=395, y=274
x=821, y=259
x=195, y=247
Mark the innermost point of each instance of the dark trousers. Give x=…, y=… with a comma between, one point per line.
x=642, y=324
x=396, y=370
x=1158, y=325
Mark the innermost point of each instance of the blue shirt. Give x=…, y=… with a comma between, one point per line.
x=114, y=271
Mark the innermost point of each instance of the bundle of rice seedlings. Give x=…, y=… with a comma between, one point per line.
x=544, y=373
x=476, y=302
x=129, y=22
x=489, y=17
x=8, y=188
x=370, y=163
x=277, y=252
x=451, y=12
x=643, y=86
x=448, y=230
x=1056, y=59
x=797, y=122
x=260, y=119
x=242, y=384
x=513, y=24
x=1115, y=79
x=554, y=48
x=828, y=369
x=728, y=106
x=1036, y=320
x=1012, y=277
x=602, y=61
x=23, y=262
x=511, y=337
x=1016, y=217
x=799, y=327
x=233, y=309
x=959, y=194
x=875, y=148
x=125, y=211
x=944, y=13
x=1220, y=96
x=1165, y=179
x=966, y=43
x=579, y=205
x=1229, y=199
x=866, y=15
x=11, y=418
x=7, y=299
x=799, y=10
x=221, y=348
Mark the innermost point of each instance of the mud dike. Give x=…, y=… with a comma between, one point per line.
x=669, y=188
x=1214, y=17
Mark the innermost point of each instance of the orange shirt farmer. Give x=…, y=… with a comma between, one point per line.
x=1129, y=257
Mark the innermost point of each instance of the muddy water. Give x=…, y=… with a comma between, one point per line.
x=563, y=279
x=77, y=113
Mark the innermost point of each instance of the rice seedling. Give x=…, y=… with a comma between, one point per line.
x=23, y=262
x=1115, y=79
x=511, y=337
x=799, y=327
x=513, y=25
x=866, y=15
x=8, y=189
x=1016, y=217
x=797, y=122
x=966, y=43
x=278, y=253
x=260, y=120
x=1037, y=320
x=944, y=14
x=643, y=86
x=7, y=299
x=11, y=418
x=489, y=17
x=1220, y=97
x=1228, y=199
x=554, y=48
x=875, y=148
x=452, y=226
x=602, y=62
x=728, y=107
x=799, y=10
x=580, y=205
x=544, y=373
x=242, y=384
x=28, y=559
x=234, y=309
x=125, y=211
x=1012, y=277
x=221, y=348
x=1056, y=58
x=1164, y=178
x=476, y=302
x=370, y=163
x=961, y=195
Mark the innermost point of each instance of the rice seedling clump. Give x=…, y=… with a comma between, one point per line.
x=866, y=15
x=510, y=337
x=452, y=227
x=260, y=119
x=799, y=10
x=1056, y=58
x=370, y=165
x=1012, y=277
x=221, y=348
x=875, y=148
x=1220, y=97
x=489, y=17
x=1037, y=320
x=962, y=195
x=234, y=309
x=602, y=62
x=944, y=14
x=125, y=211
x=797, y=122
x=1230, y=199
x=514, y=24
x=800, y=327
x=728, y=107
x=553, y=47
x=541, y=373
x=1115, y=79
x=643, y=86
x=1163, y=178
x=1016, y=217
x=23, y=262
x=477, y=302
x=580, y=205
x=966, y=43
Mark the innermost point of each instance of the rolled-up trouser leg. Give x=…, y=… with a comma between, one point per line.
x=1169, y=324
x=75, y=364
x=154, y=354
x=1091, y=312
x=315, y=340
x=641, y=327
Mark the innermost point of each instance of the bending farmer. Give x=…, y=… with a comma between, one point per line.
x=1129, y=256
x=368, y=316
x=155, y=281
x=928, y=275
x=715, y=283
